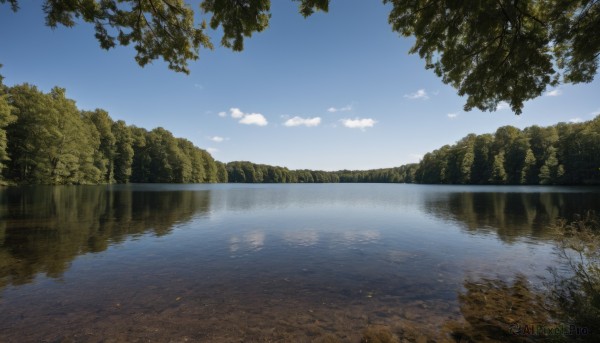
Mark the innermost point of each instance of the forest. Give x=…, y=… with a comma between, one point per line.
x=46, y=139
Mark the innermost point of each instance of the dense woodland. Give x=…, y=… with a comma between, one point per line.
x=46, y=139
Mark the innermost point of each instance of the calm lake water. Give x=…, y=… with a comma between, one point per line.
x=236, y=262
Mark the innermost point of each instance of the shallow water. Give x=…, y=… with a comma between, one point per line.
x=279, y=262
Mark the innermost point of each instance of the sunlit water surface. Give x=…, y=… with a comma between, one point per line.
x=263, y=262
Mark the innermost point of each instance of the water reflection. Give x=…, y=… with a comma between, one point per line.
x=305, y=238
x=249, y=242
x=42, y=229
x=270, y=262
x=510, y=215
x=45, y=228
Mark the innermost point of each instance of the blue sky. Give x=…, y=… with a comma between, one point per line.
x=377, y=105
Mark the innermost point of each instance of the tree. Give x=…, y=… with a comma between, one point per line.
x=498, y=171
x=222, y=176
x=493, y=51
x=210, y=168
x=49, y=142
x=6, y=118
x=140, y=167
x=490, y=51
x=123, y=157
x=528, y=175
x=193, y=168
x=165, y=166
x=514, y=164
x=551, y=171
x=106, y=153
x=481, y=169
x=540, y=139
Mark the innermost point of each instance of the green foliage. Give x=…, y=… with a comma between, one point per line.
x=560, y=154
x=156, y=28
x=166, y=29
x=490, y=51
x=6, y=118
x=549, y=173
x=498, y=172
x=527, y=173
x=482, y=150
x=123, y=153
x=49, y=141
x=238, y=19
x=222, y=175
x=104, y=156
x=160, y=157
x=493, y=51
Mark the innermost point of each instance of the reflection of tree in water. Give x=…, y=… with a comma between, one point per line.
x=511, y=215
x=42, y=229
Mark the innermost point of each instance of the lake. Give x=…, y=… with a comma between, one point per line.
x=281, y=262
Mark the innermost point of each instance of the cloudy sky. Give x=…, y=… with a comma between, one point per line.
x=334, y=91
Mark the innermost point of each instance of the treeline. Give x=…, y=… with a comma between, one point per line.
x=248, y=172
x=46, y=139
x=566, y=153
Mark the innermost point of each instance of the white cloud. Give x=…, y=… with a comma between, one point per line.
x=254, y=119
x=212, y=150
x=222, y=114
x=342, y=109
x=236, y=113
x=198, y=86
x=247, y=118
x=502, y=105
x=452, y=115
x=217, y=139
x=358, y=123
x=554, y=92
x=420, y=94
x=575, y=120
x=298, y=121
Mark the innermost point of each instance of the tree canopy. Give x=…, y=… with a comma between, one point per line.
x=490, y=51
x=46, y=139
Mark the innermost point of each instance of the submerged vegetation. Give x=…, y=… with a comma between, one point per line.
x=567, y=309
x=577, y=294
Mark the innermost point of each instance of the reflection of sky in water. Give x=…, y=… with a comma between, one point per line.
x=251, y=241
x=369, y=247
x=305, y=237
